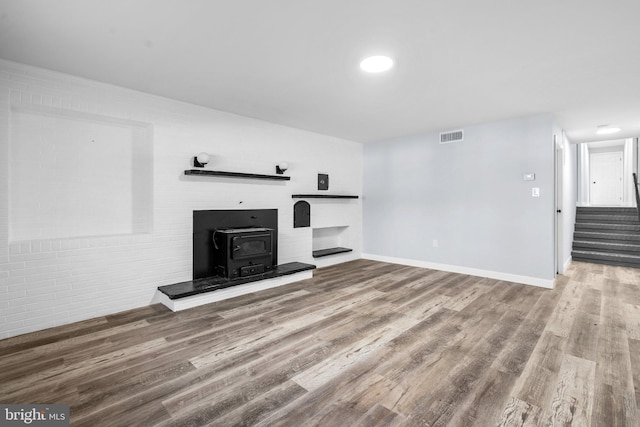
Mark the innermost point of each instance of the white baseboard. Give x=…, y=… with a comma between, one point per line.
x=525, y=280
x=226, y=293
x=566, y=263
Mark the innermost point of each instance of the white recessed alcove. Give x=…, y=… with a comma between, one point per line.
x=76, y=174
x=330, y=237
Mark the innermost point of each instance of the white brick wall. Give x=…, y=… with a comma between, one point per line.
x=45, y=283
x=57, y=160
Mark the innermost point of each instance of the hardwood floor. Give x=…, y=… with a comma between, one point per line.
x=361, y=344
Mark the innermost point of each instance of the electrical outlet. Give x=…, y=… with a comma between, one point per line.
x=535, y=192
x=435, y=243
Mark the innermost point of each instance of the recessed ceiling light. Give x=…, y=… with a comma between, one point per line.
x=606, y=129
x=376, y=64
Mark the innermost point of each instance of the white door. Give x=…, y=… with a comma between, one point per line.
x=605, y=185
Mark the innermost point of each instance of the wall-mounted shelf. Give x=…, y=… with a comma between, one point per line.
x=206, y=172
x=330, y=251
x=323, y=196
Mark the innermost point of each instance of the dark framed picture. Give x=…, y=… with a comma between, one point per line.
x=323, y=181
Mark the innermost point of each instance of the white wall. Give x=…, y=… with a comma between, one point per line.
x=53, y=281
x=470, y=197
x=57, y=159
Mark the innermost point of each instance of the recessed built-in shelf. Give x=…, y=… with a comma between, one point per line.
x=206, y=172
x=330, y=251
x=323, y=196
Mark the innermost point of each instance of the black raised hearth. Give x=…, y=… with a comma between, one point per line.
x=209, y=284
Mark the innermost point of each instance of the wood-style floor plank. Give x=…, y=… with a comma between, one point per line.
x=572, y=401
x=520, y=413
x=363, y=343
x=634, y=352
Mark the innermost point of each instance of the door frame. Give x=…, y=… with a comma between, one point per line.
x=558, y=158
x=630, y=151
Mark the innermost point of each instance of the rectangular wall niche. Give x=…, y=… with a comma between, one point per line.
x=329, y=237
x=74, y=174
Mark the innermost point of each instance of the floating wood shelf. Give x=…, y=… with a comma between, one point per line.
x=323, y=196
x=330, y=251
x=206, y=172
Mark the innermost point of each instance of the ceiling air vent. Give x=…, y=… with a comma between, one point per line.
x=453, y=136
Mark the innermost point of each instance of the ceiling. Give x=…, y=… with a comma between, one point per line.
x=295, y=62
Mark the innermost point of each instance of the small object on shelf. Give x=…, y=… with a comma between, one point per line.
x=330, y=251
x=282, y=167
x=201, y=160
x=324, y=196
x=203, y=172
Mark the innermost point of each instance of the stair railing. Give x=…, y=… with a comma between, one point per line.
x=635, y=185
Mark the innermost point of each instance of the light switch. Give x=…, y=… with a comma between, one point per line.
x=535, y=192
x=530, y=176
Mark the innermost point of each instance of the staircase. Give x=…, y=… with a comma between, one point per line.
x=607, y=236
